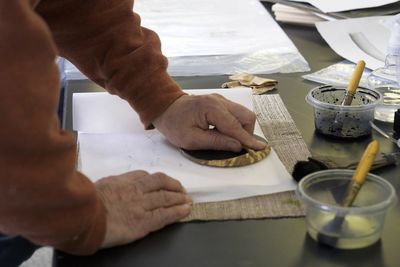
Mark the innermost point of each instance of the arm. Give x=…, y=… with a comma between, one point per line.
x=105, y=41
x=42, y=197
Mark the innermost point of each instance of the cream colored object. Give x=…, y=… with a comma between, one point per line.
x=259, y=85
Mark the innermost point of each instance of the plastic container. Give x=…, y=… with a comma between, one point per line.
x=335, y=120
x=386, y=80
x=346, y=228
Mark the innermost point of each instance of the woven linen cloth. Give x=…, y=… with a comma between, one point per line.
x=283, y=135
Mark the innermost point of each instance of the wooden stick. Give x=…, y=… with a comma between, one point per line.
x=353, y=84
x=361, y=172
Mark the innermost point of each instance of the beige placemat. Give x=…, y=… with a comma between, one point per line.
x=283, y=135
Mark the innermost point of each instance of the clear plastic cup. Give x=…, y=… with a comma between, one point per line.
x=335, y=120
x=344, y=227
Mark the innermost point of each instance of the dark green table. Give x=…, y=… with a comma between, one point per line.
x=269, y=242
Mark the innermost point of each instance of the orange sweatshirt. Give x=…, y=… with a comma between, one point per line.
x=42, y=197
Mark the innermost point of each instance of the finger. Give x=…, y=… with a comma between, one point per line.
x=135, y=174
x=246, y=117
x=164, y=216
x=212, y=139
x=228, y=125
x=128, y=178
x=159, y=181
x=164, y=199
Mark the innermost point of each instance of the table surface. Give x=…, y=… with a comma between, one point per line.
x=265, y=242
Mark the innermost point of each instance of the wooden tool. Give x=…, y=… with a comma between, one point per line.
x=348, y=97
x=353, y=84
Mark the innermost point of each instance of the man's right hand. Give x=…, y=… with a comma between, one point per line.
x=138, y=203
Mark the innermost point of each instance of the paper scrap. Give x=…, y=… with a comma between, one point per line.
x=259, y=85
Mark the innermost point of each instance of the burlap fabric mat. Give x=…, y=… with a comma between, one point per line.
x=283, y=135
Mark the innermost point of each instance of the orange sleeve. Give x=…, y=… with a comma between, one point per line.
x=42, y=197
x=104, y=39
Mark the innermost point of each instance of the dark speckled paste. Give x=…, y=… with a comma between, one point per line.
x=343, y=121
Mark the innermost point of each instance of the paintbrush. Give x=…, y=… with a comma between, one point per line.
x=353, y=188
x=353, y=84
x=349, y=95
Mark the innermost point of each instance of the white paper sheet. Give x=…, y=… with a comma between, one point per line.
x=208, y=37
x=355, y=39
x=209, y=27
x=345, y=5
x=106, y=148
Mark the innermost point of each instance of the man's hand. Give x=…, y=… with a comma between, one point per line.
x=186, y=123
x=138, y=203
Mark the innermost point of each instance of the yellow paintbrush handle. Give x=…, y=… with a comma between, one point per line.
x=361, y=173
x=356, y=77
x=366, y=162
x=353, y=84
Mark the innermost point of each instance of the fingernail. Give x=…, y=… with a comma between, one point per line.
x=260, y=145
x=188, y=199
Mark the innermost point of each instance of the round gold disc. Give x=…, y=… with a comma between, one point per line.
x=227, y=159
